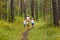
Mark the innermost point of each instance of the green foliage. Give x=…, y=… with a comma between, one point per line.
x=11, y=31
x=44, y=31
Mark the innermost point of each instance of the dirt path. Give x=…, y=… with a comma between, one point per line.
x=25, y=34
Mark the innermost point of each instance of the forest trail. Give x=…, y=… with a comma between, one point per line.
x=25, y=34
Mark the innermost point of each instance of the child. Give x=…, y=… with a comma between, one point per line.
x=24, y=22
x=28, y=25
x=32, y=21
x=28, y=18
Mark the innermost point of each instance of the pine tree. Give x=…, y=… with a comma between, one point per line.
x=55, y=13
x=12, y=10
x=32, y=8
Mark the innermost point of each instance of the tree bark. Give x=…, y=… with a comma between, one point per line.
x=55, y=13
x=21, y=4
x=36, y=9
x=32, y=8
x=25, y=8
x=0, y=9
x=12, y=10
x=59, y=8
x=5, y=14
x=44, y=11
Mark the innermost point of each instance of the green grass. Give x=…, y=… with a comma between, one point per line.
x=44, y=31
x=11, y=31
x=41, y=31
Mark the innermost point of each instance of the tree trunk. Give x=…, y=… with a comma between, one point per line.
x=4, y=7
x=36, y=9
x=32, y=8
x=59, y=7
x=12, y=10
x=55, y=13
x=5, y=14
x=41, y=9
x=0, y=9
x=44, y=11
x=21, y=4
x=25, y=8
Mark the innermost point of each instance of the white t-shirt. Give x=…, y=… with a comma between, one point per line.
x=28, y=18
x=24, y=22
x=32, y=21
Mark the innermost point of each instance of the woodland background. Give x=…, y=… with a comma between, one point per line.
x=45, y=12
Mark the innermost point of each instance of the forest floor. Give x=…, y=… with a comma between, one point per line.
x=25, y=34
x=41, y=31
x=44, y=31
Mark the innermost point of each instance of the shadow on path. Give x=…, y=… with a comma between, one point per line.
x=25, y=34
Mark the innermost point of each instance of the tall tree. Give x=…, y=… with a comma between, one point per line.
x=21, y=4
x=32, y=8
x=41, y=7
x=12, y=10
x=59, y=7
x=44, y=9
x=3, y=8
x=36, y=9
x=0, y=9
x=55, y=13
x=25, y=8
x=5, y=13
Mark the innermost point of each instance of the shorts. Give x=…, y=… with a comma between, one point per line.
x=24, y=25
x=32, y=24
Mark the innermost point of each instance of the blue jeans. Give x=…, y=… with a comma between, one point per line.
x=32, y=24
x=24, y=25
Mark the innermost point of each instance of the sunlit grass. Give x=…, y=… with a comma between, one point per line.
x=44, y=31
x=11, y=31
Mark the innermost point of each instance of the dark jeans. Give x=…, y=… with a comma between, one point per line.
x=32, y=24
x=24, y=25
